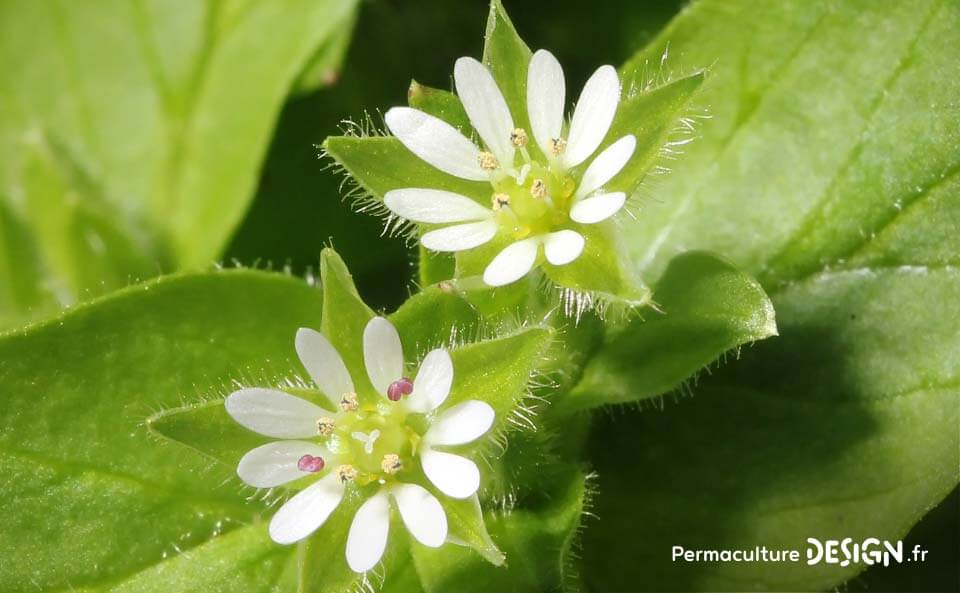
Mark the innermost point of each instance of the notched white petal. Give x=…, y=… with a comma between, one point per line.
x=607, y=164
x=486, y=107
x=274, y=413
x=592, y=116
x=368, y=533
x=307, y=511
x=455, y=476
x=422, y=514
x=382, y=353
x=597, y=207
x=546, y=93
x=562, y=247
x=460, y=237
x=461, y=424
x=433, y=382
x=433, y=206
x=275, y=463
x=323, y=363
x=512, y=263
x=436, y=142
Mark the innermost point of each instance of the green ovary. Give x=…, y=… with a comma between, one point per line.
x=528, y=214
x=395, y=438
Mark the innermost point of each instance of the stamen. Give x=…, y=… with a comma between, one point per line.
x=487, y=160
x=391, y=464
x=349, y=402
x=500, y=200
x=399, y=388
x=519, y=137
x=325, y=426
x=309, y=463
x=346, y=473
x=557, y=146
x=538, y=189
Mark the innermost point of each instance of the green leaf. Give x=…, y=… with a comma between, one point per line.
x=819, y=175
x=537, y=541
x=143, y=99
x=705, y=308
x=91, y=497
x=323, y=69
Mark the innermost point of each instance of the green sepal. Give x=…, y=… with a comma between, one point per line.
x=441, y=104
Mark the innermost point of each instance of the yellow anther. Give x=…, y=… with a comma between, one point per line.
x=391, y=464
x=487, y=160
x=500, y=200
x=538, y=189
x=557, y=146
x=349, y=402
x=346, y=473
x=325, y=426
x=519, y=137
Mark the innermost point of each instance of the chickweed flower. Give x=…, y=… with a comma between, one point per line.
x=539, y=194
x=379, y=448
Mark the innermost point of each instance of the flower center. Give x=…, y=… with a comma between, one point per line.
x=534, y=202
x=375, y=441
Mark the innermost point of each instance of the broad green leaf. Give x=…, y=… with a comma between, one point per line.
x=154, y=103
x=91, y=497
x=323, y=69
x=537, y=542
x=819, y=174
x=704, y=308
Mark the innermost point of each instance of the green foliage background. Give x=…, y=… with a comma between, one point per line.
x=828, y=171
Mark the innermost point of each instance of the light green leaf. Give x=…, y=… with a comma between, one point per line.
x=154, y=104
x=819, y=174
x=704, y=308
x=92, y=498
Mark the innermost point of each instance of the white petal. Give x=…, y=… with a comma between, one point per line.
x=306, y=512
x=461, y=424
x=546, y=92
x=436, y=142
x=512, y=263
x=592, y=116
x=275, y=463
x=485, y=106
x=368, y=533
x=275, y=413
x=324, y=364
x=455, y=476
x=433, y=206
x=597, y=207
x=422, y=514
x=432, y=385
x=607, y=164
x=460, y=237
x=382, y=353
x=562, y=247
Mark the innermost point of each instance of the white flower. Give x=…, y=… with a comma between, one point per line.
x=537, y=203
x=363, y=443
